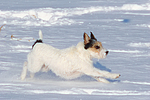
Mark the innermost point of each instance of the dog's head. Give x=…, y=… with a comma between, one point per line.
x=94, y=47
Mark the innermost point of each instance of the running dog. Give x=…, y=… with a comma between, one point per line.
x=67, y=63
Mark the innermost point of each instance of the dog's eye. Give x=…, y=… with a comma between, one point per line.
x=97, y=47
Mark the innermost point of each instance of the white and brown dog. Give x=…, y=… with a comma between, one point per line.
x=67, y=63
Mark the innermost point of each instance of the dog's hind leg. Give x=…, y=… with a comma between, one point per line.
x=34, y=66
x=31, y=75
x=24, y=71
x=45, y=68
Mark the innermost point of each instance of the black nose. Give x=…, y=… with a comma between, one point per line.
x=107, y=52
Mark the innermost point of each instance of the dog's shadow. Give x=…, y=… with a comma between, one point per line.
x=99, y=66
x=103, y=68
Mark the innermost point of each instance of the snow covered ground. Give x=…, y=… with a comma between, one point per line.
x=123, y=27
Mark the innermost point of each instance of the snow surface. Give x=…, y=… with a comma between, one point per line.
x=123, y=27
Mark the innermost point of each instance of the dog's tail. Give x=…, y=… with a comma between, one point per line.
x=40, y=35
x=39, y=40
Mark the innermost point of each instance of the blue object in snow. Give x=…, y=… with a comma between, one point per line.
x=126, y=20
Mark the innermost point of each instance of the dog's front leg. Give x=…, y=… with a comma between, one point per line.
x=91, y=71
x=109, y=75
x=99, y=79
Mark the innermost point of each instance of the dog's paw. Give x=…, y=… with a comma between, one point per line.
x=22, y=77
x=114, y=76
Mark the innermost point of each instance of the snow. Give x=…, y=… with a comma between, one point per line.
x=123, y=27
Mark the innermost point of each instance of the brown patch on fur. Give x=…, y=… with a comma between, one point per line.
x=94, y=49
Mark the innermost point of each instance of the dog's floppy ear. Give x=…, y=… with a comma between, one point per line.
x=86, y=38
x=92, y=36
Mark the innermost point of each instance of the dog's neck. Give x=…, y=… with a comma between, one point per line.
x=83, y=52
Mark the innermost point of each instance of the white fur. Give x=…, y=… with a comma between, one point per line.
x=67, y=63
